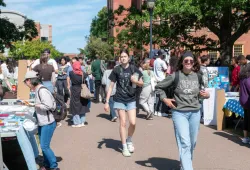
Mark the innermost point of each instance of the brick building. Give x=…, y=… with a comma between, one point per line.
x=241, y=46
x=44, y=32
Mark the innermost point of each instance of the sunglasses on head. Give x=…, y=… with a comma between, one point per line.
x=188, y=61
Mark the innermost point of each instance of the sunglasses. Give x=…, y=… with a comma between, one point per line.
x=188, y=61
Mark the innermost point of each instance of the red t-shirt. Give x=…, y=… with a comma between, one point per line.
x=151, y=64
x=235, y=76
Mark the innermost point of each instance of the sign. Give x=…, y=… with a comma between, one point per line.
x=218, y=77
x=209, y=105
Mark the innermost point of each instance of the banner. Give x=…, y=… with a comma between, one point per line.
x=209, y=108
x=218, y=77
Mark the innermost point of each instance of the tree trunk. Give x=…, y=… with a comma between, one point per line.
x=226, y=53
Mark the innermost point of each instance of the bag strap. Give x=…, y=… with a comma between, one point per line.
x=176, y=79
x=201, y=83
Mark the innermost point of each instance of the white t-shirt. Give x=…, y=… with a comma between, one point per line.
x=50, y=62
x=160, y=67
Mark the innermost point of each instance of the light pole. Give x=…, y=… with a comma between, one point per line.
x=151, y=5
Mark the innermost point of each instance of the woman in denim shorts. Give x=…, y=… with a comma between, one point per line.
x=127, y=77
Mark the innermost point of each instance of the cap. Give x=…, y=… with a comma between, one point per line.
x=187, y=54
x=30, y=74
x=161, y=52
x=46, y=50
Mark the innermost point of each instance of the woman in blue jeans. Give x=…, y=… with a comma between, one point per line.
x=185, y=105
x=45, y=103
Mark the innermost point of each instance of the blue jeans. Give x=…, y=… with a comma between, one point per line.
x=111, y=105
x=79, y=119
x=45, y=134
x=49, y=86
x=186, y=126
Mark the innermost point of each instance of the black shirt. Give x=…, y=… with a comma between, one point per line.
x=122, y=80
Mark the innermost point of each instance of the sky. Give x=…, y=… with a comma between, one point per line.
x=70, y=19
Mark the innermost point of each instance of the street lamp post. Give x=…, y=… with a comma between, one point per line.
x=151, y=5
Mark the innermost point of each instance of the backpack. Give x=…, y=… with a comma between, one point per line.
x=60, y=112
x=170, y=90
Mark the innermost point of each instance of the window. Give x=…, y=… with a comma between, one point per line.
x=213, y=55
x=44, y=39
x=237, y=50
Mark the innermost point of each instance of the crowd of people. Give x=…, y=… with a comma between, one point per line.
x=159, y=87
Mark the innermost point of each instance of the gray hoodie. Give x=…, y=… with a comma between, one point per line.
x=47, y=103
x=186, y=93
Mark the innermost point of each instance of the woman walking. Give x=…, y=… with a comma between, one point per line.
x=61, y=83
x=78, y=105
x=126, y=77
x=147, y=94
x=45, y=102
x=185, y=105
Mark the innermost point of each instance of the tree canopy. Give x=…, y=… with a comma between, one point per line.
x=97, y=46
x=99, y=25
x=32, y=49
x=10, y=33
x=176, y=21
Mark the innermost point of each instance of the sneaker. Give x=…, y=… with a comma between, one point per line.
x=58, y=124
x=246, y=140
x=156, y=113
x=149, y=115
x=126, y=153
x=131, y=147
x=114, y=119
x=76, y=126
x=82, y=125
x=159, y=114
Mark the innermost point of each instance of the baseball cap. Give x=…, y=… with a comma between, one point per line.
x=30, y=75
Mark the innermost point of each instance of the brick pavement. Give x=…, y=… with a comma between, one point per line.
x=97, y=146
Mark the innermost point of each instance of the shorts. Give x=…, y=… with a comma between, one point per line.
x=125, y=106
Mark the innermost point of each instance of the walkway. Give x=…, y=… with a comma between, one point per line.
x=97, y=146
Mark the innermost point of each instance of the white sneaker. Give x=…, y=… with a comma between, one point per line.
x=126, y=153
x=246, y=140
x=156, y=113
x=159, y=114
x=131, y=147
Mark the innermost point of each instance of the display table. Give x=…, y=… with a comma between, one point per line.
x=25, y=139
x=234, y=106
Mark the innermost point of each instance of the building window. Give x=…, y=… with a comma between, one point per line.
x=237, y=50
x=44, y=39
x=213, y=55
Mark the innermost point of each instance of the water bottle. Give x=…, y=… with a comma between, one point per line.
x=136, y=75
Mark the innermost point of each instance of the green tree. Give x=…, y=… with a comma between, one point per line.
x=10, y=33
x=97, y=46
x=99, y=25
x=32, y=49
x=174, y=20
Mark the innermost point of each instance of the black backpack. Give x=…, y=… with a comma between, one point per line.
x=60, y=112
x=170, y=90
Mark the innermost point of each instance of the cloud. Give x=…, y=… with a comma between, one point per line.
x=70, y=20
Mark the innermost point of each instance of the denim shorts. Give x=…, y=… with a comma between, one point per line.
x=125, y=106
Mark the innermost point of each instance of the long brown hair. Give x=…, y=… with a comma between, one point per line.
x=44, y=59
x=196, y=66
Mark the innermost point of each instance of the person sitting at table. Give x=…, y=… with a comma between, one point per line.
x=44, y=104
x=244, y=77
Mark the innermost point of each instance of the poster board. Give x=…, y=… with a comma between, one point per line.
x=23, y=91
x=209, y=110
x=218, y=77
x=220, y=101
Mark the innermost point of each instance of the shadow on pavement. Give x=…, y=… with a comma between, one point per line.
x=111, y=144
x=141, y=116
x=104, y=116
x=160, y=163
x=233, y=138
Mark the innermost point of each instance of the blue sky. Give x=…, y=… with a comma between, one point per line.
x=70, y=19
